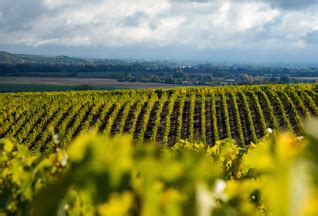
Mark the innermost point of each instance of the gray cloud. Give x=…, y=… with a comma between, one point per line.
x=16, y=16
x=312, y=37
x=135, y=19
x=294, y=4
x=102, y=28
x=284, y=4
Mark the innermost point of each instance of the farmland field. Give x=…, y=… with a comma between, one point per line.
x=163, y=116
x=33, y=84
x=176, y=151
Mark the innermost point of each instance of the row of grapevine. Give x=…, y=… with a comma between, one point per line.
x=179, y=119
x=293, y=112
x=238, y=124
x=203, y=118
x=247, y=112
x=299, y=103
x=226, y=115
x=281, y=114
x=310, y=103
x=45, y=140
x=214, y=120
x=15, y=127
x=132, y=124
x=75, y=123
x=269, y=110
x=157, y=119
x=46, y=121
x=258, y=113
x=171, y=105
x=122, y=120
x=30, y=139
x=145, y=119
x=191, y=117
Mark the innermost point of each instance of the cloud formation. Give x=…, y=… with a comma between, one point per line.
x=294, y=4
x=286, y=4
x=205, y=26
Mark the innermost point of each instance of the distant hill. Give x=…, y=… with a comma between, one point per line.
x=24, y=64
x=14, y=59
x=8, y=58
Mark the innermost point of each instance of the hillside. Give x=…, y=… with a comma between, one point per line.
x=8, y=58
x=163, y=116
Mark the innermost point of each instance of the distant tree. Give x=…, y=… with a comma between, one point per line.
x=273, y=79
x=179, y=73
x=207, y=78
x=170, y=80
x=180, y=70
x=73, y=74
x=284, y=79
x=155, y=79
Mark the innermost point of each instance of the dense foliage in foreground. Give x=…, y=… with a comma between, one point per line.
x=97, y=175
x=218, y=161
x=164, y=116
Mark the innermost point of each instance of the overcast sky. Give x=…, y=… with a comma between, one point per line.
x=224, y=31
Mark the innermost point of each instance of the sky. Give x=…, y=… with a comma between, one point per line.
x=272, y=31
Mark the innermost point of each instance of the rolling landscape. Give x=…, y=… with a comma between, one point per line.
x=158, y=108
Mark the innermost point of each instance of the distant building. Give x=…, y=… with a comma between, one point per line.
x=228, y=82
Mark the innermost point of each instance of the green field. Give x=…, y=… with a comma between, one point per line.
x=164, y=116
x=42, y=84
x=181, y=151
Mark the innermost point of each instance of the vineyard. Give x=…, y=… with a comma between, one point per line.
x=46, y=121
x=74, y=153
